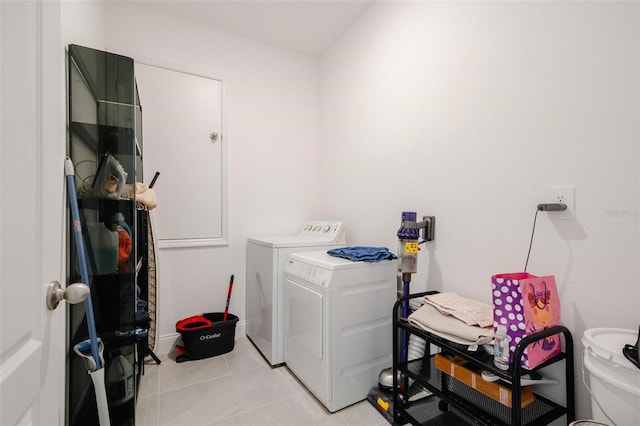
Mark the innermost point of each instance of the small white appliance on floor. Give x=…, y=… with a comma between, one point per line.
x=338, y=324
x=266, y=258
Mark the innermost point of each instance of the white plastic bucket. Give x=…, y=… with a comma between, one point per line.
x=614, y=380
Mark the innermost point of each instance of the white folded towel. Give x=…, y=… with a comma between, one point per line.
x=472, y=312
x=430, y=319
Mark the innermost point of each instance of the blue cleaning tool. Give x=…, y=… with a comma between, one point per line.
x=96, y=365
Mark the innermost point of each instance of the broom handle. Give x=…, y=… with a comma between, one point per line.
x=226, y=309
x=153, y=181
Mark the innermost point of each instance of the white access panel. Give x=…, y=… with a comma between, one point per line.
x=177, y=142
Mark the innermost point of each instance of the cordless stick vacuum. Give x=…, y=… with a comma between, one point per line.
x=408, y=247
x=408, y=240
x=91, y=349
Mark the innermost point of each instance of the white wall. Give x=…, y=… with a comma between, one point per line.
x=271, y=114
x=465, y=111
x=83, y=23
x=470, y=112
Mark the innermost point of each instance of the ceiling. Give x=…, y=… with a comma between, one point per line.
x=303, y=26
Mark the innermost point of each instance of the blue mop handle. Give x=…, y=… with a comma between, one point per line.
x=84, y=275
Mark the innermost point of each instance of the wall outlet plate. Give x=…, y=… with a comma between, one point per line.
x=563, y=194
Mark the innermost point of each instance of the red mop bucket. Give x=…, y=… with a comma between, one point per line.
x=206, y=335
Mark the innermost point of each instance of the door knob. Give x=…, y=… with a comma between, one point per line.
x=74, y=293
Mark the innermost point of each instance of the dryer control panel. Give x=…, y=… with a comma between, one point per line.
x=331, y=229
x=307, y=272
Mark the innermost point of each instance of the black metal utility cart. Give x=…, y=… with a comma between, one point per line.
x=454, y=402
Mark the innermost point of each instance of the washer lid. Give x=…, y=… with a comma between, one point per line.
x=292, y=241
x=608, y=343
x=312, y=234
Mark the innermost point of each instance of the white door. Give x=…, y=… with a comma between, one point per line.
x=32, y=338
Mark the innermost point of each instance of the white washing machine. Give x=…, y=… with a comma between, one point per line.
x=338, y=324
x=266, y=258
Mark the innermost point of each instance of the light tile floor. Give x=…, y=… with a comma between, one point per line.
x=237, y=388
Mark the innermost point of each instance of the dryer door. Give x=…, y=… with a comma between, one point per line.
x=306, y=347
x=305, y=318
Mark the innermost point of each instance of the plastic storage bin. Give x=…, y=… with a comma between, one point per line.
x=206, y=335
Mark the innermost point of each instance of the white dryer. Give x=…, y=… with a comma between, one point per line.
x=338, y=324
x=266, y=258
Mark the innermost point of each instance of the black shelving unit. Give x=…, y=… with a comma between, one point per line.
x=104, y=121
x=455, y=403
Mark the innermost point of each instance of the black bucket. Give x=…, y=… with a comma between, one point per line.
x=206, y=335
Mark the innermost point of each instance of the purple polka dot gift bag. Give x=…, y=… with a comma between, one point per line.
x=526, y=304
